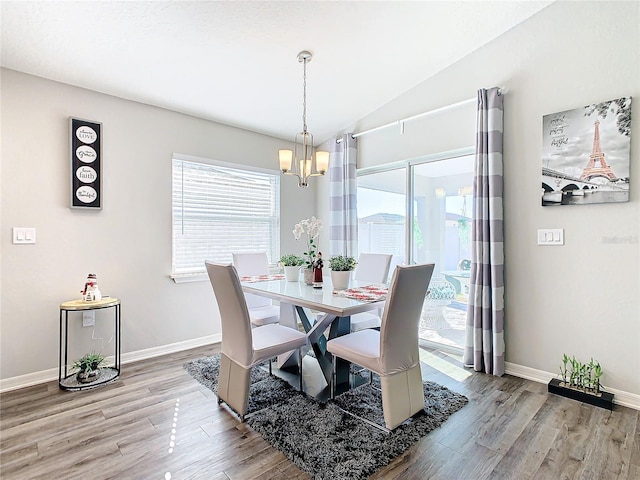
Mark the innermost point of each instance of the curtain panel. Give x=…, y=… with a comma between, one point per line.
x=343, y=216
x=484, y=345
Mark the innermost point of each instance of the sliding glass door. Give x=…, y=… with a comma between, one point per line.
x=435, y=194
x=382, y=225
x=442, y=205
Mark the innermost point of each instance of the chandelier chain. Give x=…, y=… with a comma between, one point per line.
x=304, y=96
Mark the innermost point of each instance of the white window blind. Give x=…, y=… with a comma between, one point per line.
x=219, y=209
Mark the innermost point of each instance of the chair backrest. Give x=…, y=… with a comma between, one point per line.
x=250, y=264
x=373, y=267
x=401, y=317
x=234, y=317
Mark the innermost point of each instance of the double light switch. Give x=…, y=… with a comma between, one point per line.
x=23, y=235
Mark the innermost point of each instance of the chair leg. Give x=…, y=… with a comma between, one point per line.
x=333, y=376
x=233, y=385
x=300, y=367
x=402, y=396
x=270, y=372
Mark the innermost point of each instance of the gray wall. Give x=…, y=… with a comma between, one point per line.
x=128, y=243
x=583, y=298
x=580, y=299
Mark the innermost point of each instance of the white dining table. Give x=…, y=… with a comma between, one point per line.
x=297, y=299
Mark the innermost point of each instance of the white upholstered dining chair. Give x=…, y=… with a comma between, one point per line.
x=244, y=346
x=373, y=268
x=262, y=311
x=392, y=353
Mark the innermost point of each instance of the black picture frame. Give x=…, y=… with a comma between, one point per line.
x=86, y=163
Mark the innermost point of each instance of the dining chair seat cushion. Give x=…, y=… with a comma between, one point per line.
x=361, y=347
x=272, y=340
x=264, y=315
x=363, y=320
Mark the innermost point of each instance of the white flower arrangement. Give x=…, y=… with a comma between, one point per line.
x=311, y=227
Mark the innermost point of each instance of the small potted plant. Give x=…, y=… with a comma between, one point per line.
x=89, y=367
x=341, y=267
x=291, y=264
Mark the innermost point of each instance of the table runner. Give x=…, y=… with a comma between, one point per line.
x=261, y=278
x=370, y=293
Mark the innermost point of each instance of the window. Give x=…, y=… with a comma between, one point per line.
x=220, y=208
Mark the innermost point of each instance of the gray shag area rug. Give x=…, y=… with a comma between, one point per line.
x=321, y=438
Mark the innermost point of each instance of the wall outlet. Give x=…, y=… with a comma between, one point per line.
x=88, y=319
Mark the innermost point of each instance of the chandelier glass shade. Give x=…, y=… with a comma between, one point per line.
x=301, y=161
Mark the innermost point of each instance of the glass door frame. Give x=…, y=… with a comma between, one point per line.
x=409, y=187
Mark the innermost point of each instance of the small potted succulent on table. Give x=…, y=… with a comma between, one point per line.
x=89, y=367
x=291, y=264
x=341, y=267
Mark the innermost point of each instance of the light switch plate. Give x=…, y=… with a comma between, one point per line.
x=24, y=235
x=551, y=236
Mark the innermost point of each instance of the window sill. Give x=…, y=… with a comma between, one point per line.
x=189, y=277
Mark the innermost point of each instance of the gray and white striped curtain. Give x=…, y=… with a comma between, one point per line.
x=343, y=221
x=484, y=345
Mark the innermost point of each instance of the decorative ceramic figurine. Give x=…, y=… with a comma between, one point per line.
x=317, y=269
x=91, y=292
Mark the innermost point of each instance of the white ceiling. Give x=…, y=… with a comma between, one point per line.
x=235, y=61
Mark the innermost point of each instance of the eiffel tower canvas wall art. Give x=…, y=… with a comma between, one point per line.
x=586, y=154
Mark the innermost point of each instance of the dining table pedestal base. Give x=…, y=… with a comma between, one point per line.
x=316, y=331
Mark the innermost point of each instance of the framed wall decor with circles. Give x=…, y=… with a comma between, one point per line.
x=86, y=164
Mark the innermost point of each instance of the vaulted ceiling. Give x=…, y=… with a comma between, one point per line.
x=235, y=61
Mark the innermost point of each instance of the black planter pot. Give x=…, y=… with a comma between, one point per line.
x=604, y=400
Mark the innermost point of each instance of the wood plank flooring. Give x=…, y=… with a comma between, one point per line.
x=156, y=422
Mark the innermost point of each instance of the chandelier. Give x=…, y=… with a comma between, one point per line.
x=300, y=161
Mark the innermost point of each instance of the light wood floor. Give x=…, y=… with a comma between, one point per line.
x=511, y=429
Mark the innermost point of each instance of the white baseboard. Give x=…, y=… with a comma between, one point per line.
x=171, y=348
x=44, y=376
x=621, y=397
